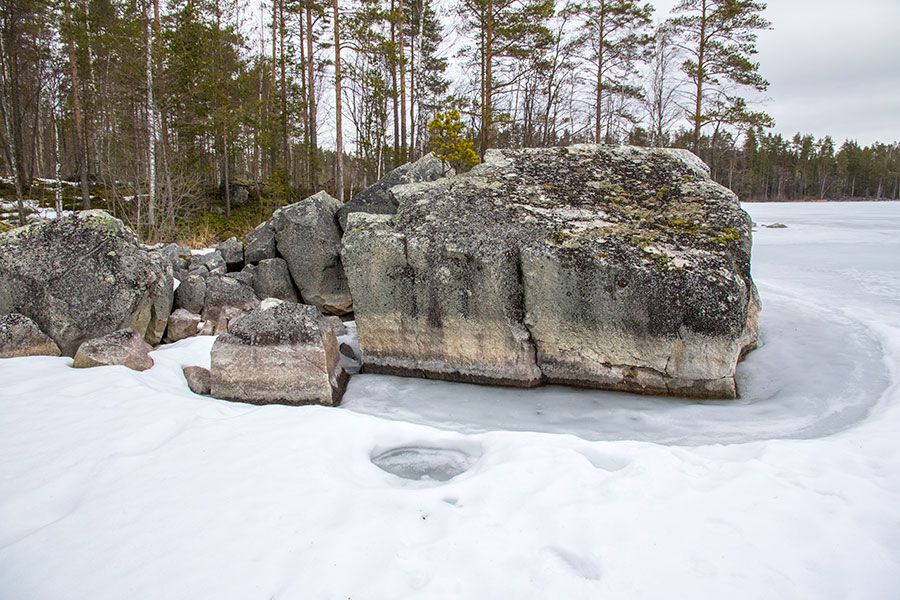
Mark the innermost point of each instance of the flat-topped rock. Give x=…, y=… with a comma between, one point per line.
x=124, y=347
x=281, y=353
x=610, y=267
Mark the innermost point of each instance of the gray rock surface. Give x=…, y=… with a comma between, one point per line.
x=308, y=237
x=611, y=267
x=259, y=244
x=20, y=336
x=377, y=199
x=182, y=324
x=178, y=255
x=124, y=347
x=191, y=293
x=244, y=276
x=224, y=293
x=197, y=379
x=232, y=251
x=82, y=276
x=213, y=263
x=272, y=279
x=281, y=353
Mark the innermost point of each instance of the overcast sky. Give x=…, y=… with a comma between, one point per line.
x=833, y=66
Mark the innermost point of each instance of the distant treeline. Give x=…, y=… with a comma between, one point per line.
x=764, y=166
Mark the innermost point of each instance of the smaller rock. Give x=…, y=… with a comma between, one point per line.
x=259, y=244
x=213, y=261
x=245, y=277
x=124, y=347
x=208, y=328
x=178, y=255
x=337, y=325
x=222, y=292
x=272, y=279
x=238, y=193
x=281, y=353
x=20, y=336
x=197, y=379
x=191, y=294
x=776, y=226
x=232, y=250
x=182, y=324
x=347, y=350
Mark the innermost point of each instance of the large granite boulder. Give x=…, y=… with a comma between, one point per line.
x=610, y=267
x=377, y=199
x=20, y=336
x=82, y=276
x=232, y=251
x=281, y=353
x=308, y=237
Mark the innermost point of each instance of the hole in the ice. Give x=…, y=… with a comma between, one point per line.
x=421, y=463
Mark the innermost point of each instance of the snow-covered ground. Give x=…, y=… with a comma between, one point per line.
x=116, y=484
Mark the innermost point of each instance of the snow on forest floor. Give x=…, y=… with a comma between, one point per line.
x=117, y=484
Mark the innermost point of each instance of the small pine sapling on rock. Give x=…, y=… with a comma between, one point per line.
x=449, y=143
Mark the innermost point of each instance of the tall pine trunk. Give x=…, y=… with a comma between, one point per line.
x=76, y=109
x=339, y=133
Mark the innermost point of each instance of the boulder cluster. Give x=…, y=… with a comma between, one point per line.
x=616, y=268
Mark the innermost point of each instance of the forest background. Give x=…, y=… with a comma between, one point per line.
x=195, y=119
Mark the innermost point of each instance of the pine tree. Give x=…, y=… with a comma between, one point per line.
x=719, y=38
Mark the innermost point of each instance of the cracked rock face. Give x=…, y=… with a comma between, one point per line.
x=281, y=353
x=83, y=276
x=610, y=267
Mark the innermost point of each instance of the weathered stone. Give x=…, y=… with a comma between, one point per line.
x=337, y=326
x=162, y=298
x=207, y=328
x=243, y=276
x=82, y=276
x=272, y=279
x=226, y=293
x=124, y=347
x=281, y=353
x=377, y=199
x=20, y=336
x=618, y=268
x=238, y=193
x=232, y=251
x=347, y=350
x=182, y=324
x=308, y=238
x=178, y=255
x=191, y=294
x=213, y=262
x=259, y=244
x=197, y=379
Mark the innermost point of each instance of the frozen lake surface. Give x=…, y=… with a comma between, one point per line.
x=119, y=484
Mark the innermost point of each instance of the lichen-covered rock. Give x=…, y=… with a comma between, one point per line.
x=209, y=263
x=163, y=297
x=182, y=324
x=191, y=293
x=227, y=296
x=377, y=199
x=281, y=353
x=232, y=251
x=259, y=244
x=272, y=279
x=20, y=336
x=308, y=237
x=611, y=267
x=337, y=326
x=124, y=347
x=178, y=255
x=197, y=379
x=82, y=276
